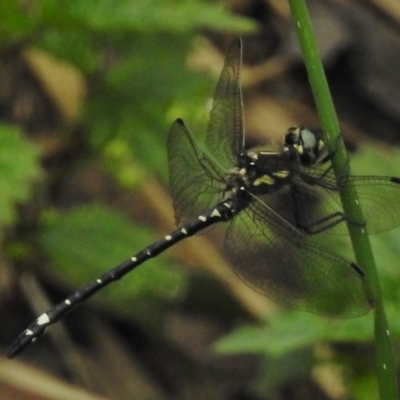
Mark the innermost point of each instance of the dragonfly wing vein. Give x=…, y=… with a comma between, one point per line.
x=225, y=131
x=280, y=262
x=196, y=182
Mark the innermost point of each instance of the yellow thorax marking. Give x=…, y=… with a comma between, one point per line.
x=265, y=179
x=281, y=174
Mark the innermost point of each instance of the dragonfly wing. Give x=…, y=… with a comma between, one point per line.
x=196, y=182
x=379, y=199
x=225, y=132
x=283, y=264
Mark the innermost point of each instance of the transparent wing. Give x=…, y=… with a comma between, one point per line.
x=317, y=198
x=379, y=199
x=275, y=259
x=196, y=183
x=225, y=132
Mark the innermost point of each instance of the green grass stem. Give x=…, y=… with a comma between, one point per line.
x=385, y=360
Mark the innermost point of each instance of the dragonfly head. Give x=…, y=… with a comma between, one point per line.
x=305, y=146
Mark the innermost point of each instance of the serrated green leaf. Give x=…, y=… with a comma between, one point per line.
x=86, y=242
x=19, y=168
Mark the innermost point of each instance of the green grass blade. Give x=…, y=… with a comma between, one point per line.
x=386, y=369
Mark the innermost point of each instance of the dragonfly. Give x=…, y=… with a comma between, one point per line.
x=271, y=250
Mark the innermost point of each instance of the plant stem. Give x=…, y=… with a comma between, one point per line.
x=386, y=369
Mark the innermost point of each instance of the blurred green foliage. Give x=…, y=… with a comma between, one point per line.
x=291, y=331
x=19, y=166
x=132, y=56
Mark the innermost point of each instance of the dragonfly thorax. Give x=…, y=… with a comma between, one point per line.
x=258, y=173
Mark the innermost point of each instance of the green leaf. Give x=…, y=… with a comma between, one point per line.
x=19, y=168
x=141, y=15
x=290, y=331
x=86, y=242
x=76, y=47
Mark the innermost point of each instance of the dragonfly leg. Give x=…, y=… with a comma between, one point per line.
x=304, y=223
x=323, y=224
x=326, y=223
